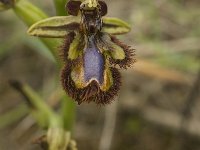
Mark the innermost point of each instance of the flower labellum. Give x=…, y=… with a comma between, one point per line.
x=91, y=51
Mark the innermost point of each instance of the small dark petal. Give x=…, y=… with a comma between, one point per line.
x=129, y=55
x=104, y=8
x=65, y=47
x=73, y=7
x=92, y=92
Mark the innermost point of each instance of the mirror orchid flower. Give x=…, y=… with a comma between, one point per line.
x=90, y=50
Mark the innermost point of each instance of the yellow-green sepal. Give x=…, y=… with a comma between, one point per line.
x=115, y=26
x=55, y=27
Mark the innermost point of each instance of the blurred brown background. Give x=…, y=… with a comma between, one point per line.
x=159, y=104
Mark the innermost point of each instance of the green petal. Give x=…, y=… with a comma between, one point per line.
x=106, y=45
x=117, y=52
x=55, y=27
x=76, y=46
x=115, y=26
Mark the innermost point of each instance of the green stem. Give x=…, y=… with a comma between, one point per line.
x=69, y=113
x=68, y=105
x=28, y=12
x=44, y=115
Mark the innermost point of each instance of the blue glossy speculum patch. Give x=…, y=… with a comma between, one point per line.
x=93, y=62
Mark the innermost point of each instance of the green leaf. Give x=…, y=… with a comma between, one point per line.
x=55, y=27
x=30, y=14
x=115, y=26
x=43, y=113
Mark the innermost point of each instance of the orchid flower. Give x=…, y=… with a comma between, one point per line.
x=90, y=50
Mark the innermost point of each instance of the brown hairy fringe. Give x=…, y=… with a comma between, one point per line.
x=92, y=92
x=129, y=55
x=66, y=45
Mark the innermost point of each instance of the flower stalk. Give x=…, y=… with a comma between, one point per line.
x=68, y=109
